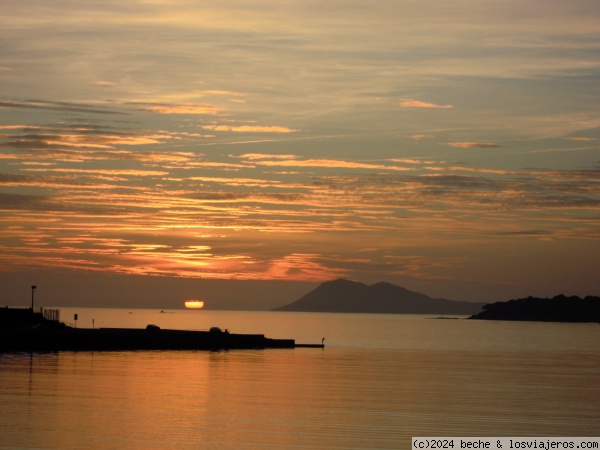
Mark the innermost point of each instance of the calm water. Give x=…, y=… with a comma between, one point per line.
x=380, y=380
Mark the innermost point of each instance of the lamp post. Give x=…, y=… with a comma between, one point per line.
x=32, y=295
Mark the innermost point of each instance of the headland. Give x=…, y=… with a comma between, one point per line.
x=557, y=309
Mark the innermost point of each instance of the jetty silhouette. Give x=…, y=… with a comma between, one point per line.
x=29, y=330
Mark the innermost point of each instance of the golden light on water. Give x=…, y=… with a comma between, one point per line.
x=194, y=304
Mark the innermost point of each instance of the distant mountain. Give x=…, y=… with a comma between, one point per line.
x=557, y=309
x=354, y=297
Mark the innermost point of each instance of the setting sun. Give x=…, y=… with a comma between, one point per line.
x=194, y=304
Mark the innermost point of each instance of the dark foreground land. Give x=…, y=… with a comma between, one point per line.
x=74, y=339
x=26, y=331
x=557, y=309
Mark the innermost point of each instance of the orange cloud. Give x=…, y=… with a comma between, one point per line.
x=305, y=267
x=418, y=137
x=254, y=156
x=123, y=172
x=474, y=144
x=237, y=181
x=226, y=93
x=214, y=165
x=329, y=163
x=410, y=103
x=249, y=129
x=582, y=139
x=102, y=141
x=97, y=141
x=184, y=108
x=474, y=169
x=22, y=127
x=409, y=161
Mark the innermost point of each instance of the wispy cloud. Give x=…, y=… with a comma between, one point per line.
x=324, y=163
x=222, y=93
x=249, y=128
x=79, y=140
x=114, y=172
x=58, y=106
x=418, y=137
x=410, y=103
x=183, y=108
x=86, y=142
x=23, y=127
x=581, y=139
x=475, y=144
x=261, y=156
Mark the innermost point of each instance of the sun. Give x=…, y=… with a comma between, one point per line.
x=194, y=304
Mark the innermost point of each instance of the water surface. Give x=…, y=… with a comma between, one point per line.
x=380, y=380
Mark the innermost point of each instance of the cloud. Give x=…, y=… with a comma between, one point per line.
x=304, y=267
x=47, y=140
x=162, y=226
x=410, y=161
x=329, y=163
x=224, y=93
x=418, y=137
x=112, y=172
x=57, y=106
x=410, y=103
x=23, y=127
x=18, y=201
x=181, y=108
x=521, y=233
x=249, y=129
x=581, y=139
x=248, y=182
x=259, y=156
x=188, y=165
x=471, y=169
x=84, y=141
x=474, y=144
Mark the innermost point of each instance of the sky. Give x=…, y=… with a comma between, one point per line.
x=244, y=152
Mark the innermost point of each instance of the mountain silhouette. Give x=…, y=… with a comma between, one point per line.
x=382, y=298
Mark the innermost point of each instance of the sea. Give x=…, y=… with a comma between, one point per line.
x=380, y=380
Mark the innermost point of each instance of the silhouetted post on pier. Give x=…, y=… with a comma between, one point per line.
x=32, y=296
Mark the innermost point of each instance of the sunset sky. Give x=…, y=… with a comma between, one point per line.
x=448, y=147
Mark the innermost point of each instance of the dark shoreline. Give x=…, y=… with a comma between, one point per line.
x=23, y=330
x=557, y=309
x=114, y=339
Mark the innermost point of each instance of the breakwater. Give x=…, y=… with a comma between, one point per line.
x=106, y=339
x=22, y=330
